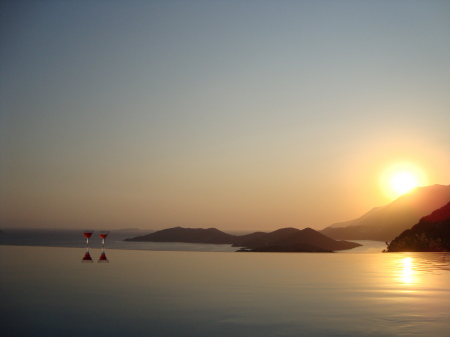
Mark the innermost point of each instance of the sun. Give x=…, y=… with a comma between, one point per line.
x=403, y=182
x=400, y=178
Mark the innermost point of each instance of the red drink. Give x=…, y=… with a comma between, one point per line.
x=103, y=235
x=87, y=234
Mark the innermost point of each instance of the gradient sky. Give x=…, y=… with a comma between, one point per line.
x=250, y=115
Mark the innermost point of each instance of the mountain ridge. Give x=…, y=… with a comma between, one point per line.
x=386, y=222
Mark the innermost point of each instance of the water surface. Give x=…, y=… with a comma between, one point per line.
x=49, y=292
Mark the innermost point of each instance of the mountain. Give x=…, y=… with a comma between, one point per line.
x=430, y=234
x=188, y=235
x=281, y=240
x=293, y=237
x=386, y=222
x=358, y=221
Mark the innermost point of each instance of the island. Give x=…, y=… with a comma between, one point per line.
x=281, y=240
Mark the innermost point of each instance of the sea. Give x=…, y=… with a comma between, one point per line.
x=51, y=288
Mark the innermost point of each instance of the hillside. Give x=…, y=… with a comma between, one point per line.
x=431, y=234
x=292, y=237
x=188, y=235
x=386, y=222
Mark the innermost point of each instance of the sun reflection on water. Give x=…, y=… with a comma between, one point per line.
x=410, y=269
x=407, y=275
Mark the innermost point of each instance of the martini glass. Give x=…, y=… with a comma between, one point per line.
x=103, y=235
x=87, y=235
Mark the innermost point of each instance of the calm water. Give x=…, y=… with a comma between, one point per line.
x=49, y=292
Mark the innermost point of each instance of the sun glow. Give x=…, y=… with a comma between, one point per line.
x=402, y=182
x=400, y=178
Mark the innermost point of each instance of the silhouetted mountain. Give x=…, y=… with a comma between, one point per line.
x=385, y=223
x=293, y=237
x=431, y=234
x=285, y=239
x=188, y=235
x=261, y=239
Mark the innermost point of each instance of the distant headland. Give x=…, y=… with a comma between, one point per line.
x=430, y=234
x=387, y=222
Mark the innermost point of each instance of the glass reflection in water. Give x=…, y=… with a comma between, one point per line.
x=87, y=257
x=103, y=258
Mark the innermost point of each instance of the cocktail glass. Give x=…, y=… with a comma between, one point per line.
x=87, y=235
x=103, y=235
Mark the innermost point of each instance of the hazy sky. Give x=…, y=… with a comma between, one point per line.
x=227, y=114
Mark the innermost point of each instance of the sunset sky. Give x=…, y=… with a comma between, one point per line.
x=251, y=115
